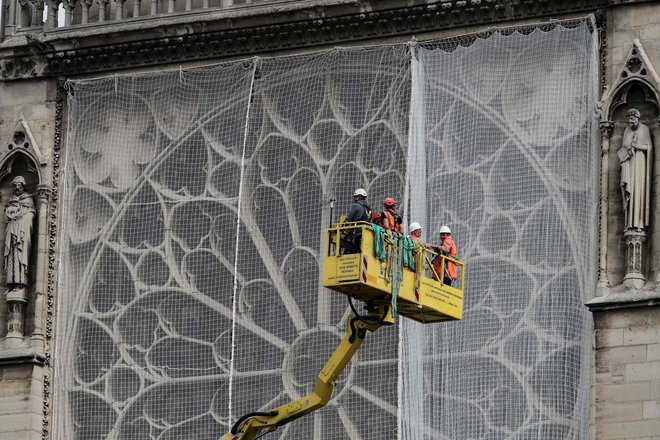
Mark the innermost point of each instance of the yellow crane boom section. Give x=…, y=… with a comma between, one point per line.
x=251, y=425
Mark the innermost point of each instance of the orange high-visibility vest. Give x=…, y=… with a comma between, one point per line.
x=450, y=268
x=393, y=225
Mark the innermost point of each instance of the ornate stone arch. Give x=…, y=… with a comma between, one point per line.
x=638, y=93
x=22, y=143
x=637, y=72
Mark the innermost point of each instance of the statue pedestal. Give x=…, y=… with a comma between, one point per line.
x=16, y=302
x=634, y=240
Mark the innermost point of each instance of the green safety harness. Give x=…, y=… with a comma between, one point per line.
x=379, y=242
x=401, y=255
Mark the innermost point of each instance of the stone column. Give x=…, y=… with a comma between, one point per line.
x=86, y=4
x=10, y=21
x=653, y=244
x=103, y=10
x=634, y=259
x=43, y=197
x=605, y=133
x=69, y=6
x=119, y=9
x=53, y=6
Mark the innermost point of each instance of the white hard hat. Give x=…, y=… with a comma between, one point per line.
x=414, y=226
x=445, y=230
x=360, y=192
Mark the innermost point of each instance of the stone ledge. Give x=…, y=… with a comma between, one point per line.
x=625, y=300
x=21, y=356
x=175, y=40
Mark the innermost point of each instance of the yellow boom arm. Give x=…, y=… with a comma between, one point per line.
x=250, y=425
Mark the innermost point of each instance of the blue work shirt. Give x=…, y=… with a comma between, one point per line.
x=358, y=212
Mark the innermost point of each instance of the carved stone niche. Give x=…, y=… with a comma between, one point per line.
x=23, y=215
x=630, y=208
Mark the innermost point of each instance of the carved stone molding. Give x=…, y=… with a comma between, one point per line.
x=606, y=128
x=16, y=302
x=634, y=259
x=53, y=192
x=41, y=57
x=43, y=193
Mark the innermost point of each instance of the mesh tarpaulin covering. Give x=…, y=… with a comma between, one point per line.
x=507, y=142
x=195, y=205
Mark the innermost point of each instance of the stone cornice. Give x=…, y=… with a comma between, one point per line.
x=625, y=300
x=84, y=50
x=21, y=356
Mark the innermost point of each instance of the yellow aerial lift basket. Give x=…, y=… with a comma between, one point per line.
x=352, y=266
x=422, y=294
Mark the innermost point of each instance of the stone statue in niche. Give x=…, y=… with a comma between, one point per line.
x=19, y=213
x=635, y=157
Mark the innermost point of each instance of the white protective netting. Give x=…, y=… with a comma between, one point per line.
x=508, y=145
x=195, y=203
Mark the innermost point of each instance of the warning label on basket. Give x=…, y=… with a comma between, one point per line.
x=348, y=267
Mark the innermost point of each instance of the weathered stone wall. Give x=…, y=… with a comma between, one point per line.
x=624, y=23
x=627, y=374
x=35, y=99
x=21, y=369
x=21, y=396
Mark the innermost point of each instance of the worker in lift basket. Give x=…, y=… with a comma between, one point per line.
x=415, y=231
x=388, y=218
x=446, y=247
x=360, y=211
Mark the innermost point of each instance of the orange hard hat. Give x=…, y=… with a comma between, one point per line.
x=389, y=201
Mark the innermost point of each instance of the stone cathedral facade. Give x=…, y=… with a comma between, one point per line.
x=71, y=155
